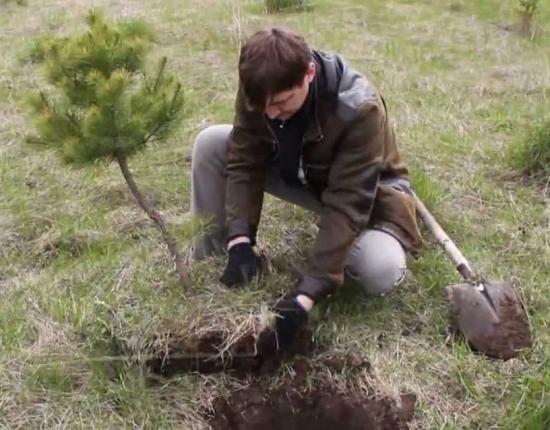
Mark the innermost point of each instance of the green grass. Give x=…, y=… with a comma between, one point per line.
x=532, y=155
x=275, y=6
x=87, y=291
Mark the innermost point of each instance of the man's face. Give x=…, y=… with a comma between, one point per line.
x=285, y=104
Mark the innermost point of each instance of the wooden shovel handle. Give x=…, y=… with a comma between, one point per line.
x=460, y=262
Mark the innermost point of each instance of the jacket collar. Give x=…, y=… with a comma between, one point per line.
x=313, y=130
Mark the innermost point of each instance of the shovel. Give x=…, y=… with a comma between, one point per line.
x=490, y=315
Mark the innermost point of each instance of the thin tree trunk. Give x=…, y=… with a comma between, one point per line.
x=524, y=25
x=181, y=270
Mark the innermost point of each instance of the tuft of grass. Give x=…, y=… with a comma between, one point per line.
x=532, y=155
x=275, y=6
x=426, y=189
x=532, y=411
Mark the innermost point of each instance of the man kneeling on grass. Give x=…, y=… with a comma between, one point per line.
x=312, y=131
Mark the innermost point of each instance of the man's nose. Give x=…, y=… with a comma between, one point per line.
x=272, y=112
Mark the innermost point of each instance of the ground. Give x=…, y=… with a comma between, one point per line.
x=87, y=294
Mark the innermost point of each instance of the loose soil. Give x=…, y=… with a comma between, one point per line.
x=294, y=405
x=319, y=409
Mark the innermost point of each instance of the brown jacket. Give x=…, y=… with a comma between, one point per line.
x=350, y=161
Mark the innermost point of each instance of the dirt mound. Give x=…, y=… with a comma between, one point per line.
x=297, y=407
x=253, y=409
x=293, y=405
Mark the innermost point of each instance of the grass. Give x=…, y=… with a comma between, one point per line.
x=532, y=154
x=86, y=288
x=275, y=6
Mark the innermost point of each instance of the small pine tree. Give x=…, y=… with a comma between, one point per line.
x=104, y=105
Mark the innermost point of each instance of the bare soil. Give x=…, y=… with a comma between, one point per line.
x=295, y=406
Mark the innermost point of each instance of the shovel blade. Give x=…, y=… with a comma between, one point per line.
x=497, y=325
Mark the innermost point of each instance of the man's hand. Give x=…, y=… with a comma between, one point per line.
x=242, y=266
x=291, y=317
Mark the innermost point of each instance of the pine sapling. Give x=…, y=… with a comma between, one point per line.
x=103, y=103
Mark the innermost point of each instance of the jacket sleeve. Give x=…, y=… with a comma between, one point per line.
x=248, y=152
x=347, y=201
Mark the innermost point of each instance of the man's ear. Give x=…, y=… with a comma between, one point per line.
x=310, y=73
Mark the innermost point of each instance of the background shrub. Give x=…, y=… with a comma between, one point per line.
x=527, y=9
x=274, y=6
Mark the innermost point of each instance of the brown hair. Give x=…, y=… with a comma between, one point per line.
x=271, y=61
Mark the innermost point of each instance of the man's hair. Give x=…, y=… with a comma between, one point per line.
x=272, y=60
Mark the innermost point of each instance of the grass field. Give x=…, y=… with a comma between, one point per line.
x=86, y=288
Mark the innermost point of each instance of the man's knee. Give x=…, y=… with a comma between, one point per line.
x=377, y=263
x=210, y=145
x=382, y=280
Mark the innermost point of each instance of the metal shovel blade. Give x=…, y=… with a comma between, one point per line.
x=493, y=321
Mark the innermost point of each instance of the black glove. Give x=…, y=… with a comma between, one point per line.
x=292, y=316
x=242, y=266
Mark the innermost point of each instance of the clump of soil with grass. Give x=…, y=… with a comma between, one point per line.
x=297, y=403
x=208, y=354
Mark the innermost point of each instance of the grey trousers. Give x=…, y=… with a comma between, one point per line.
x=376, y=261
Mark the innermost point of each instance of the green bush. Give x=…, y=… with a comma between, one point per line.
x=532, y=155
x=19, y=2
x=274, y=6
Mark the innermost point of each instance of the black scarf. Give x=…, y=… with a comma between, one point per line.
x=290, y=134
